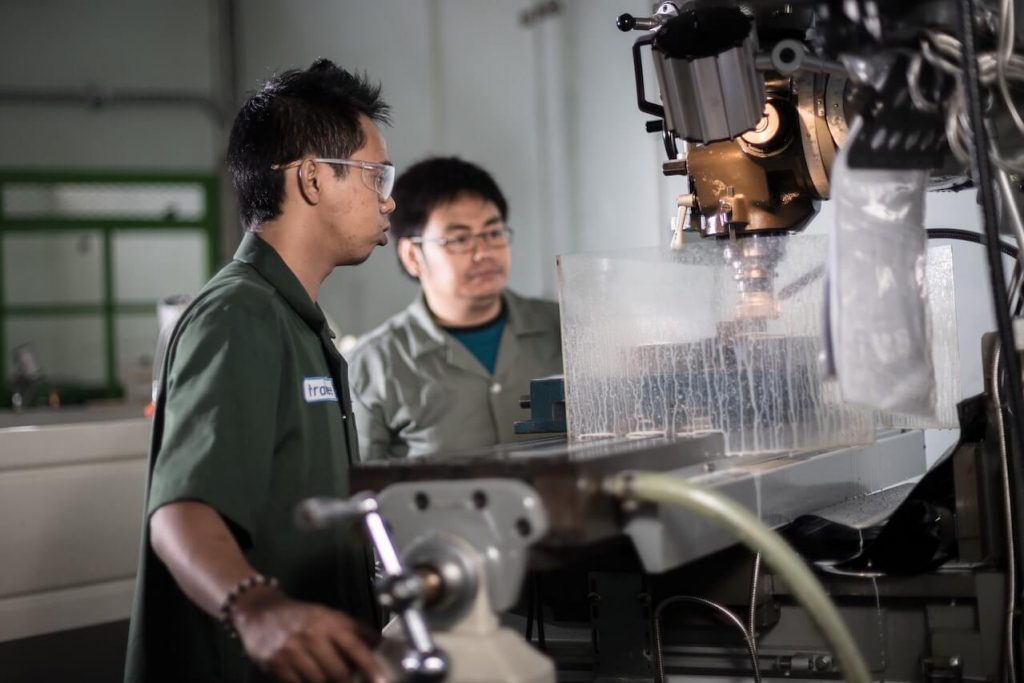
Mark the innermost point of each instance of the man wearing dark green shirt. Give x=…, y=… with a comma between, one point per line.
x=254, y=411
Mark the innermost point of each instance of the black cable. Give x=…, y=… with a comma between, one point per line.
x=978, y=145
x=968, y=236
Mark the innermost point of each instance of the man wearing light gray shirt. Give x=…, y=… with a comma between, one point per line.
x=447, y=373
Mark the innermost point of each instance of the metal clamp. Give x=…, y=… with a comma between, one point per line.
x=399, y=590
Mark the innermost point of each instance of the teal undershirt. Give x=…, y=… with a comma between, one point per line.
x=483, y=340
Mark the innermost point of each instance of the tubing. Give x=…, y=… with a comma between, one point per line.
x=752, y=532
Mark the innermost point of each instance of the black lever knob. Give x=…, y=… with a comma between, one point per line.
x=627, y=22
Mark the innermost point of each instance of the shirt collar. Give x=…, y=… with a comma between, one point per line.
x=268, y=263
x=523, y=318
x=431, y=336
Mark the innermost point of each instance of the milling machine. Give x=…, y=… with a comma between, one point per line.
x=618, y=544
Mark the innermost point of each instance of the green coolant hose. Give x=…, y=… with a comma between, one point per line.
x=752, y=532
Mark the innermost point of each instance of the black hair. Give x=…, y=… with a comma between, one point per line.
x=295, y=114
x=435, y=181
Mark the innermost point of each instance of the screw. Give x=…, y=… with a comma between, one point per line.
x=523, y=527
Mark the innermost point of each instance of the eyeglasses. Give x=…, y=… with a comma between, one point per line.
x=465, y=243
x=382, y=176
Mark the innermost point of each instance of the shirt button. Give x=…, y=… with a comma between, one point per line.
x=496, y=388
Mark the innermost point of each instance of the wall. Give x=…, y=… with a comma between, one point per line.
x=620, y=196
x=111, y=45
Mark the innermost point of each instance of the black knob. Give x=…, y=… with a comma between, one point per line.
x=626, y=22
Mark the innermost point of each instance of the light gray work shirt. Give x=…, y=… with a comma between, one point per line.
x=417, y=390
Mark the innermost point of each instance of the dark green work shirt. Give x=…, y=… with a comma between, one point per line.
x=254, y=416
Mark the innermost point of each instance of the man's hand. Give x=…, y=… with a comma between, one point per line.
x=295, y=641
x=300, y=642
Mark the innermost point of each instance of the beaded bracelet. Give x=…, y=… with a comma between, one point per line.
x=227, y=608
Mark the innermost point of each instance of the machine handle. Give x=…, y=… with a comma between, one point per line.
x=646, y=106
x=399, y=590
x=627, y=22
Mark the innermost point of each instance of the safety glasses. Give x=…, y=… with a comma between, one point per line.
x=464, y=243
x=378, y=177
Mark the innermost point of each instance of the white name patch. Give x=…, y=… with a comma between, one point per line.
x=318, y=389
